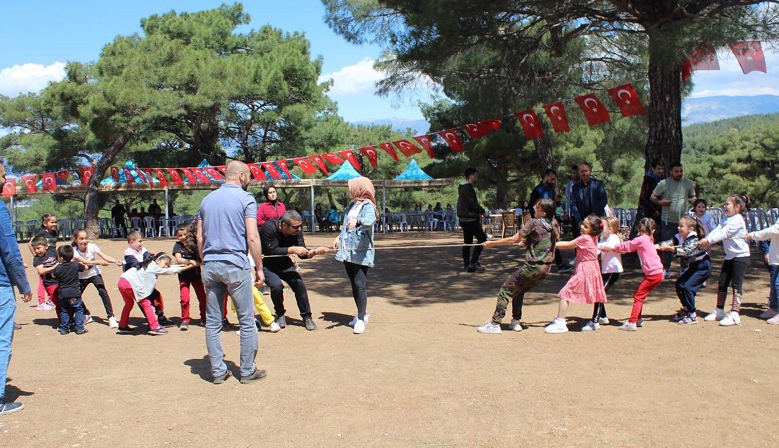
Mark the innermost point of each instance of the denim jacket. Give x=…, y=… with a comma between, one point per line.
x=11, y=267
x=356, y=246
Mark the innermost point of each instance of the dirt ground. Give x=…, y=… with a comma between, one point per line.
x=420, y=375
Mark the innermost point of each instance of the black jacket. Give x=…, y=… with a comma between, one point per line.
x=468, y=208
x=598, y=199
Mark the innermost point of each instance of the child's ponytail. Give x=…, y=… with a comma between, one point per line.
x=147, y=260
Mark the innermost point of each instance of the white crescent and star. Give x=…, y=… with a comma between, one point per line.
x=587, y=102
x=552, y=110
x=619, y=95
x=531, y=122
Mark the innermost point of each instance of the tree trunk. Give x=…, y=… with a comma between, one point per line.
x=544, y=153
x=92, y=196
x=664, y=143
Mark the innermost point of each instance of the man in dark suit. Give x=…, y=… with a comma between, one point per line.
x=589, y=196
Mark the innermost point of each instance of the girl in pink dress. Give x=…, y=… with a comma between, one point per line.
x=586, y=283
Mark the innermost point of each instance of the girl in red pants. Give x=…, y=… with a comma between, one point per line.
x=650, y=264
x=137, y=285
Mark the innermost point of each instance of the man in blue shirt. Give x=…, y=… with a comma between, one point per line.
x=11, y=274
x=226, y=232
x=546, y=189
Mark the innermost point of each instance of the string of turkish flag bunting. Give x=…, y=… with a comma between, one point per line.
x=749, y=55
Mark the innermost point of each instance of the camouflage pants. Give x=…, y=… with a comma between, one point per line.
x=514, y=289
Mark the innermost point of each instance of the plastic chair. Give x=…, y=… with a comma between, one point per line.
x=450, y=220
x=135, y=224
x=431, y=220
x=164, y=227
x=64, y=226
x=149, y=226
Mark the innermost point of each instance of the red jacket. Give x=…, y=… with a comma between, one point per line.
x=267, y=211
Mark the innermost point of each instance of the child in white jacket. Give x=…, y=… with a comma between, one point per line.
x=771, y=233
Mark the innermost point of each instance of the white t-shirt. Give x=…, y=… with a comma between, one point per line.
x=611, y=262
x=89, y=255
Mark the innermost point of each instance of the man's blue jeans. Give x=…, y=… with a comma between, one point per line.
x=7, y=315
x=221, y=278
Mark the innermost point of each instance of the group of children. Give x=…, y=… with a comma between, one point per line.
x=592, y=280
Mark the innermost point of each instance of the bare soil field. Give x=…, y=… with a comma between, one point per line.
x=420, y=376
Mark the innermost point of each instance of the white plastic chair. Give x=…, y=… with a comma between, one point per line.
x=149, y=226
x=450, y=220
x=431, y=220
x=135, y=224
x=164, y=227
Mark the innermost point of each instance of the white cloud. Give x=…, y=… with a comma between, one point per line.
x=29, y=77
x=729, y=80
x=356, y=79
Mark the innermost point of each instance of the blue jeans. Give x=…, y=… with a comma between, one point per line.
x=73, y=306
x=220, y=278
x=7, y=315
x=773, y=301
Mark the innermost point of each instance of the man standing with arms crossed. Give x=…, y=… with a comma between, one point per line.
x=226, y=231
x=675, y=194
x=11, y=274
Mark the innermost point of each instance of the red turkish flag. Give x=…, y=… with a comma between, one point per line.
x=86, y=172
x=175, y=176
x=371, y=153
x=476, y=130
x=332, y=158
x=530, y=124
x=9, y=187
x=627, y=99
x=284, y=167
x=452, y=139
x=558, y=117
x=320, y=162
x=29, y=182
x=63, y=175
x=389, y=149
x=115, y=173
x=492, y=124
x=424, y=141
x=222, y=168
x=749, y=55
x=201, y=176
x=189, y=175
x=407, y=148
x=256, y=171
x=704, y=59
x=593, y=109
x=270, y=168
x=349, y=155
x=128, y=177
x=214, y=173
x=305, y=164
x=160, y=175
x=49, y=181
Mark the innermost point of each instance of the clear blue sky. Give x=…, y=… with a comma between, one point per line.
x=38, y=36
x=47, y=32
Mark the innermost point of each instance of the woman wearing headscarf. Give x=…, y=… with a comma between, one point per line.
x=354, y=245
x=272, y=208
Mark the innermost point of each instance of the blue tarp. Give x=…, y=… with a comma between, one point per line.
x=413, y=172
x=346, y=172
x=138, y=176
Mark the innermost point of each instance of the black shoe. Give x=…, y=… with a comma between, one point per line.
x=81, y=331
x=226, y=325
x=222, y=378
x=282, y=321
x=475, y=267
x=165, y=322
x=124, y=330
x=256, y=376
x=309, y=323
x=63, y=331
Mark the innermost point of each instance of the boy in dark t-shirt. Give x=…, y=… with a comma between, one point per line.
x=69, y=290
x=44, y=261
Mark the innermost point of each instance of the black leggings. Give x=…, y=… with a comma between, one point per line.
x=357, y=275
x=599, y=309
x=97, y=280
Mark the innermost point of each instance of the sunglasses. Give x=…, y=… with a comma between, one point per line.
x=297, y=227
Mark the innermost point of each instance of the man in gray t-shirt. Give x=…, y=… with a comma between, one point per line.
x=226, y=231
x=675, y=194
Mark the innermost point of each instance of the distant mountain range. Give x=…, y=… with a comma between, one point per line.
x=713, y=108
x=694, y=110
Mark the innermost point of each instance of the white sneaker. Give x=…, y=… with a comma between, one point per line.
x=557, y=326
x=774, y=320
x=717, y=314
x=274, y=327
x=489, y=328
x=112, y=322
x=590, y=326
x=731, y=319
x=768, y=314
x=603, y=320
x=42, y=307
x=88, y=319
x=515, y=325
x=359, y=327
x=628, y=326
x=354, y=321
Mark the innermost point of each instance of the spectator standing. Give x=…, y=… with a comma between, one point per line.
x=118, y=216
x=469, y=212
x=226, y=232
x=11, y=274
x=589, y=197
x=272, y=208
x=647, y=208
x=674, y=194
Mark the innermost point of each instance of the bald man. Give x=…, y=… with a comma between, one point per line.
x=226, y=232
